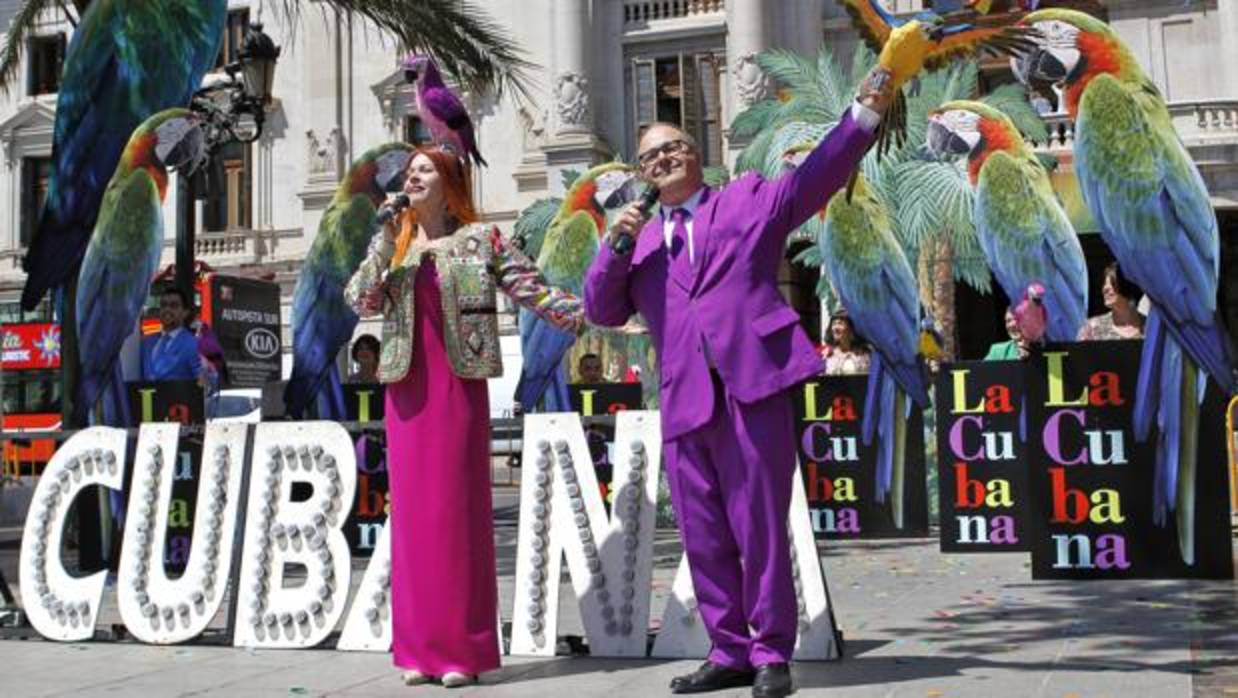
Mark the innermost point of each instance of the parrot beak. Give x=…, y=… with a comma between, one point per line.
x=616, y=191
x=392, y=171
x=1045, y=65
x=181, y=145
x=945, y=143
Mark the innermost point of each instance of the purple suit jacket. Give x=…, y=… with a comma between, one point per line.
x=729, y=298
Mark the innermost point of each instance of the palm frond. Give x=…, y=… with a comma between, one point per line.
x=716, y=176
x=756, y=117
x=752, y=157
x=787, y=137
x=835, y=86
x=15, y=39
x=794, y=71
x=1011, y=99
x=463, y=38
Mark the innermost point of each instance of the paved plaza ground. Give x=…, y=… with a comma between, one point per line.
x=917, y=623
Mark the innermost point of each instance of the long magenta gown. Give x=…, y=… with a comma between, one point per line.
x=444, y=596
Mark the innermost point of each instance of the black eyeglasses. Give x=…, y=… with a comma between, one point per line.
x=675, y=147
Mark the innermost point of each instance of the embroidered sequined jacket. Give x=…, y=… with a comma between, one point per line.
x=473, y=263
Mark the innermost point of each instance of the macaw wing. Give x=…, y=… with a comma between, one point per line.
x=872, y=21
x=1148, y=198
x=446, y=107
x=568, y=249
x=966, y=39
x=322, y=322
x=114, y=281
x=533, y=222
x=1026, y=237
x=543, y=347
x=128, y=59
x=881, y=301
x=317, y=338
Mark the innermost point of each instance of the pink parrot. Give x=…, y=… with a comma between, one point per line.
x=439, y=109
x=1029, y=314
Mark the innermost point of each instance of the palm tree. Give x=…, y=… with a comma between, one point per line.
x=930, y=201
x=463, y=39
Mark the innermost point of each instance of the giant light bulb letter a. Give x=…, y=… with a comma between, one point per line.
x=282, y=532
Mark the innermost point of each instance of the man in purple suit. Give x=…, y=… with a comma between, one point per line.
x=703, y=273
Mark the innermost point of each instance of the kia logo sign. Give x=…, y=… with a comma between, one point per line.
x=262, y=343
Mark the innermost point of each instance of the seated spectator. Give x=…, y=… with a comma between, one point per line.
x=1011, y=349
x=1123, y=321
x=844, y=353
x=589, y=369
x=365, y=353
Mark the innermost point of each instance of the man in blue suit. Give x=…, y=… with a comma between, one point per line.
x=172, y=354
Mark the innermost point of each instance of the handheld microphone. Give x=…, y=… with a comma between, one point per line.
x=624, y=243
x=389, y=211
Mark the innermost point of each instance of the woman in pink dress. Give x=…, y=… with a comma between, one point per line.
x=432, y=274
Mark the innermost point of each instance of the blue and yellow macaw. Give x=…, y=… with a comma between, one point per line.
x=946, y=40
x=1148, y=197
x=566, y=251
x=876, y=285
x=128, y=60
x=1025, y=234
x=123, y=256
x=322, y=322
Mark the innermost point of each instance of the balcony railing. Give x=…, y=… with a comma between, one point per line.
x=642, y=12
x=1199, y=123
x=242, y=246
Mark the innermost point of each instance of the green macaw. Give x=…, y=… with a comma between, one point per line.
x=566, y=251
x=1147, y=195
x=123, y=254
x=876, y=285
x=322, y=322
x=1026, y=236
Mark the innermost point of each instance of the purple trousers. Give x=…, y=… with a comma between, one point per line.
x=730, y=485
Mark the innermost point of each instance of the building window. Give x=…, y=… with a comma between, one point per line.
x=229, y=199
x=234, y=37
x=415, y=131
x=682, y=89
x=46, y=62
x=35, y=173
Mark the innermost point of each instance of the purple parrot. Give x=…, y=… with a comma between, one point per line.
x=441, y=110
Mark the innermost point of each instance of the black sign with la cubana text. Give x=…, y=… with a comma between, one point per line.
x=982, y=465
x=1098, y=511
x=846, y=498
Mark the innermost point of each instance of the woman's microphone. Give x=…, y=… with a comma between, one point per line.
x=392, y=209
x=624, y=243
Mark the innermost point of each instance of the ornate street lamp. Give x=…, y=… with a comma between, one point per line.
x=233, y=110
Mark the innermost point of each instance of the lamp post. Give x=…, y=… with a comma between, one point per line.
x=232, y=111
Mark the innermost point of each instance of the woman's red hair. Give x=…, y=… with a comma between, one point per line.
x=457, y=191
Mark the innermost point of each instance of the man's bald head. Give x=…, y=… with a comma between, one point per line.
x=669, y=157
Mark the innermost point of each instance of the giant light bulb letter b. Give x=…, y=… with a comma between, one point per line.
x=282, y=532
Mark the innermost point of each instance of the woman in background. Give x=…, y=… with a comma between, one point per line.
x=1123, y=321
x=844, y=353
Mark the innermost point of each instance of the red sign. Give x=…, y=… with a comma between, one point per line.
x=34, y=345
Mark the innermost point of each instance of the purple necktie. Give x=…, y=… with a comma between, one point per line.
x=681, y=265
